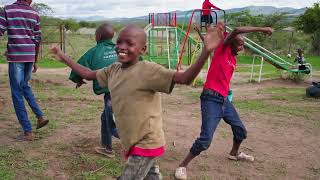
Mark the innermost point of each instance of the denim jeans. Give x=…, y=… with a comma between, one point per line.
x=213, y=108
x=19, y=75
x=108, y=127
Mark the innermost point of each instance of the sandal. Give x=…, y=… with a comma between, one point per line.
x=241, y=157
x=105, y=152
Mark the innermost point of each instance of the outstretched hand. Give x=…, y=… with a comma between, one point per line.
x=57, y=53
x=268, y=31
x=80, y=83
x=214, y=36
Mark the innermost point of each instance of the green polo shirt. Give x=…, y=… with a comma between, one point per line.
x=98, y=57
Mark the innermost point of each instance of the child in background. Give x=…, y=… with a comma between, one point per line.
x=98, y=57
x=135, y=88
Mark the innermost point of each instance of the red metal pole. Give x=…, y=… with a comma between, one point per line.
x=185, y=40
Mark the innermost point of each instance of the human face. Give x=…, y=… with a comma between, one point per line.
x=237, y=45
x=130, y=46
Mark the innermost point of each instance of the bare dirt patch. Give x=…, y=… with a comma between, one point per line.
x=285, y=146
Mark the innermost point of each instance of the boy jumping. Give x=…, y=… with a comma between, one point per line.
x=134, y=86
x=214, y=102
x=98, y=57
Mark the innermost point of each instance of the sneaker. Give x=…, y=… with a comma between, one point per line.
x=181, y=173
x=105, y=152
x=242, y=157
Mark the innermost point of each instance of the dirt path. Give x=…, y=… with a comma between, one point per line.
x=285, y=146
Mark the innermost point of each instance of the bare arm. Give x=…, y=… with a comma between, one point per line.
x=211, y=41
x=82, y=71
x=214, y=7
x=241, y=30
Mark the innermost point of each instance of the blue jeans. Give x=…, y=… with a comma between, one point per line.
x=213, y=108
x=19, y=75
x=108, y=127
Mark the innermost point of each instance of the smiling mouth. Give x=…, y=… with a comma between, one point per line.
x=122, y=54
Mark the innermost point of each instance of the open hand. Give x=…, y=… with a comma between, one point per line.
x=57, y=53
x=214, y=36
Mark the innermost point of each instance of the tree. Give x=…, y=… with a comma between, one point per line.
x=71, y=24
x=309, y=23
x=42, y=8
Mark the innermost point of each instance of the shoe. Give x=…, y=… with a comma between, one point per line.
x=105, y=152
x=41, y=123
x=27, y=136
x=181, y=173
x=241, y=157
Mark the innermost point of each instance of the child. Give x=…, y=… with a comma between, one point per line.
x=214, y=102
x=134, y=86
x=300, y=58
x=206, y=13
x=98, y=57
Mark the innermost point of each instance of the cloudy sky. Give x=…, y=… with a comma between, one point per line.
x=132, y=8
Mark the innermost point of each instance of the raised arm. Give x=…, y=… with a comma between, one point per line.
x=211, y=41
x=82, y=71
x=213, y=6
x=246, y=29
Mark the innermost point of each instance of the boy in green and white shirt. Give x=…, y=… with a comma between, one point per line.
x=98, y=57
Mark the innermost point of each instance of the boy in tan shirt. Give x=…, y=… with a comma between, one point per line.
x=135, y=88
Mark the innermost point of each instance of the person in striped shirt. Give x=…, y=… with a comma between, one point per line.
x=22, y=24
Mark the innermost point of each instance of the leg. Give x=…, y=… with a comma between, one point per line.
x=136, y=168
x=106, y=139
x=27, y=91
x=154, y=173
x=211, y=111
x=239, y=131
x=16, y=77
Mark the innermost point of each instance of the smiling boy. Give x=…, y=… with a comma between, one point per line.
x=135, y=88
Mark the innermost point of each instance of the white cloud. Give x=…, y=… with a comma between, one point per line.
x=132, y=8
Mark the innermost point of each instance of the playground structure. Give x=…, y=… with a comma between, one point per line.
x=164, y=40
x=168, y=44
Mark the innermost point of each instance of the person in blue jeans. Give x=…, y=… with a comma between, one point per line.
x=215, y=104
x=22, y=51
x=100, y=56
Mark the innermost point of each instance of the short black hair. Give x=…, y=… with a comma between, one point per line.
x=106, y=31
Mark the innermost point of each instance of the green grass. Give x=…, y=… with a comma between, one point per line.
x=13, y=161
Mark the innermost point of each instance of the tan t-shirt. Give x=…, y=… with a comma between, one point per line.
x=136, y=101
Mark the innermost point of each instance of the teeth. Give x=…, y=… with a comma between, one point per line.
x=122, y=54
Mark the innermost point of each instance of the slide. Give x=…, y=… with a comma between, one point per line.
x=272, y=58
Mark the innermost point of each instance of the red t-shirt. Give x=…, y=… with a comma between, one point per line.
x=207, y=5
x=221, y=69
x=137, y=151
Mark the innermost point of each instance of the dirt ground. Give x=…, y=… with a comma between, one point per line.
x=285, y=144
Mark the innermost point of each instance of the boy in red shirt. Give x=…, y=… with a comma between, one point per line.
x=206, y=13
x=214, y=102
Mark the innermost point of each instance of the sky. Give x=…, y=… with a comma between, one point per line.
x=133, y=8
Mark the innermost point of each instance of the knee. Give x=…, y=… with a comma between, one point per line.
x=240, y=133
x=199, y=146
